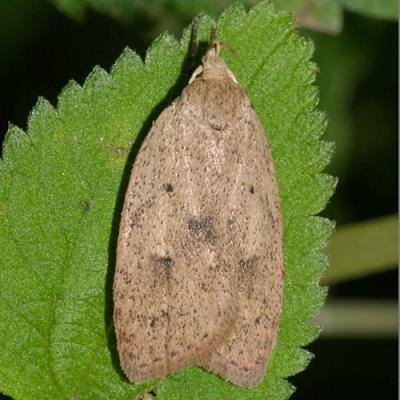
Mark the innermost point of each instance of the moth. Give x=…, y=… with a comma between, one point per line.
x=199, y=269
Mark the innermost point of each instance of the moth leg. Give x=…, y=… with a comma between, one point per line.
x=197, y=72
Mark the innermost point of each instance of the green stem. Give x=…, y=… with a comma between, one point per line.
x=359, y=319
x=362, y=249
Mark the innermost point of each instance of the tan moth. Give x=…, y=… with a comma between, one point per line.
x=199, y=268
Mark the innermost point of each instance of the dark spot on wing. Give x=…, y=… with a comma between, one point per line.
x=164, y=262
x=168, y=187
x=248, y=274
x=202, y=229
x=249, y=263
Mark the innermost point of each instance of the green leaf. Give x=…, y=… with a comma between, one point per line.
x=61, y=191
x=124, y=10
x=322, y=15
x=337, y=87
x=73, y=8
x=386, y=9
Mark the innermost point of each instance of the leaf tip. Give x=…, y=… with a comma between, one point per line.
x=129, y=60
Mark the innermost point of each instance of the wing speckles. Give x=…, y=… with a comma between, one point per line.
x=202, y=228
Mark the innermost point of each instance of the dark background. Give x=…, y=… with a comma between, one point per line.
x=42, y=49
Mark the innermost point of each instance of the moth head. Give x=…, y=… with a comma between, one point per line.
x=214, y=67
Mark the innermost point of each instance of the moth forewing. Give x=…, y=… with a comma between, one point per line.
x=199, y=267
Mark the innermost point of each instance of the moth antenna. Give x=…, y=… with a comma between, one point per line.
x=193, y=38
x=193, y=49
x=216, y=46
x=213, y=33
x=219, y=44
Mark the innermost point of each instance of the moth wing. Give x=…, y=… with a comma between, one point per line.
x=173, y=296
x=257, y=236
